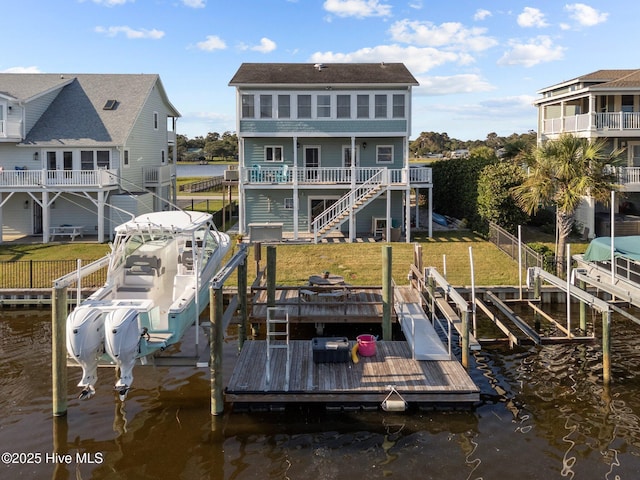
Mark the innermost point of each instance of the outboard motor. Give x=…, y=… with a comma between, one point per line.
x=122, y=344
x=85, y=343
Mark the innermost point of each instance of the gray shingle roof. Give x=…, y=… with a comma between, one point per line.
x=76, y=116
x=322, y=74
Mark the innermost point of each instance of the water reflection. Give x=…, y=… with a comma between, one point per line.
x=544, y=413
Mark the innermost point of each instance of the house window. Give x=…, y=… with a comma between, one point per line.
x=163, y=157
x=381, y=106
x=627, y=103
x=288, y=203
x=272, y=154
x=102, y=158
x=324, y=106
x=2, y=127
x=398, y=106
x=67, y=160
x=266, y=106
x=86, y=160
x=344, y=106
x=248, y=107
x=304, y=106
x=284, y=106
x=51, y=161
x=363, y=106
x=155, y=120
x=125, y=158
x=384, y=154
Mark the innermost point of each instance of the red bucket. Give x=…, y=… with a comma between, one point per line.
x=366, y=345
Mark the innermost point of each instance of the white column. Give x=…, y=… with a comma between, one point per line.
x=407, y=215
x=46, y=216
x=100, y=204
x=296, y=191
x=1, y=219
x=388, y=222
x=352, y=215
x=241, y=176
x=430, y=212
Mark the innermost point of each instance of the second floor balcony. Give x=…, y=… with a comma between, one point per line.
x=610, y=124
x=21, y=179
x=260, y=175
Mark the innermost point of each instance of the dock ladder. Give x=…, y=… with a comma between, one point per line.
x=278, y=338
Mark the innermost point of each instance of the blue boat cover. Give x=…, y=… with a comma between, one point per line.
x=600, y=248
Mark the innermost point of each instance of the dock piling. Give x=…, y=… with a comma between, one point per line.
x=216, y=344
x=387, y=292
x=59, y=351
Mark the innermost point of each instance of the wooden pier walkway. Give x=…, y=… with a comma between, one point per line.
x=365, y=382
x=337, y=304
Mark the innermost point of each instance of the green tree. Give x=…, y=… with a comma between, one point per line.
x=495, y=200
x=561, y=173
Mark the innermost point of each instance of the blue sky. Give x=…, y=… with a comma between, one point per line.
x=479, y=63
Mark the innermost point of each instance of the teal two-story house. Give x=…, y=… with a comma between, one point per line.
x=324, y=148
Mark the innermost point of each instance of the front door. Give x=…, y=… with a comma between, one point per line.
x=317, y=206
x=311, y=162
x=634, y=154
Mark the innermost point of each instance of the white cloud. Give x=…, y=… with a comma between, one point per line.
x=481, y=14
x=537, y=50
x=417, y=60
x=266, y=46
x=454, y=84
x=416, y=4
x=532, y=17
x=213, y=42
x=195, y=3
x=130, y=32
x=450, y=34
x=32, y=69
x=357, y=8
x=585, y=15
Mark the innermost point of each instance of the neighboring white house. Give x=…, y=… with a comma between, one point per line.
x=324, y=147
x=83, y=150
x=604, y=104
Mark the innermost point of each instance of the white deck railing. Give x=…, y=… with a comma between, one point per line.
x=58, y=178
x=619, y=121
x=331, y=175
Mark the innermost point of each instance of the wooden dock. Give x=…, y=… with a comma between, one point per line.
x=364, y=383
x=338, y=304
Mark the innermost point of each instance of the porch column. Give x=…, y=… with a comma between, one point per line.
x=407, y=214
x=388, y=222
x=46, y=216
x=417, y=211
x=241, y=179
x=1, y=219
x=352, y=215
x=592, y=111
x=562, y=105
x=430, y=212
x=100, y=216
x=296, y=191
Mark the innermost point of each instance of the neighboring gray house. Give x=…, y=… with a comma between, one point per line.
x=83, y=150
x=325, y=147
x=604, y=105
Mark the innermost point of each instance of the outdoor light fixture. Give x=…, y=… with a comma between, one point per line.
x=364, y=145
x=36, y=156
x=26, y=204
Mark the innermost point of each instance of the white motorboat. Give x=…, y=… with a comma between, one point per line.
x=158, y=262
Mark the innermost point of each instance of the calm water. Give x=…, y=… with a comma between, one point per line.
x=213, y=170
x=543, y=415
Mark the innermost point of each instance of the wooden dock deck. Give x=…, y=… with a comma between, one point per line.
x=365, y=382
x=339, y=304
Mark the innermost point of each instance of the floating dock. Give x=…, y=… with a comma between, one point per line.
x=367, y=382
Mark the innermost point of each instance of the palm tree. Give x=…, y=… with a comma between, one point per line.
x=561, y=173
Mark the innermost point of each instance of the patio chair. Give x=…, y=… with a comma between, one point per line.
x=283, y=175
x=256, y=173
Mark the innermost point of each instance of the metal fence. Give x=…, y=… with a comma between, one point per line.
x=509, y=244
x=42, y=273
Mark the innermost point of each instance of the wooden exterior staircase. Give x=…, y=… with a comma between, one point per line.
x=354, y=200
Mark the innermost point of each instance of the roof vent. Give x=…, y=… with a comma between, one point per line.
x=319, y=66
x=110, y=105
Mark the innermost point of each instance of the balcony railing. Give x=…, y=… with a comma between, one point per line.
x=22, y=178
x=616, y=121
x=11, y=129
x=158, y=175
x=331, y=176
